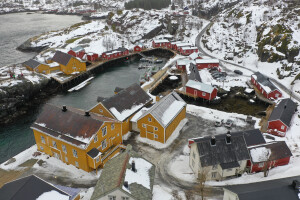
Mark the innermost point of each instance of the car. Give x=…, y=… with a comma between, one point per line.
x=229, y=123
x=218, y=123
x=238, y=72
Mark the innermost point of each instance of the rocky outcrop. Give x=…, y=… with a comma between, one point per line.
x=27, y=47
x=153, y=32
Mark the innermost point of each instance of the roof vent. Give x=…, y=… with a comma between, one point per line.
x=133, y=166
x=296, y=185
x=213, y=141
x=64, y=108
x=285, y=107
x=126, y=184
x=87, y=113
x=228, y=139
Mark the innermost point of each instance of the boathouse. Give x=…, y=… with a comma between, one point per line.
x=68, y=64
x=33, y=65
x=177, y=46
x=139, y=47
x=200, y=90
x=265, y=86
x=83, y=139
x=115, y=53
x=78, y=52
x=281, y=117
x=266, y=156
x=182, y=64
x=188, y=50
x=123, y=105
x=161, y=43
x=92, y=57
x=207, y=63
x=160, y=121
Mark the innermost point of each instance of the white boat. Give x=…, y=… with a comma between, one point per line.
x=81, y=85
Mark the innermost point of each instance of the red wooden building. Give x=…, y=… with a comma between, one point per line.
x=139, y=48
x=179, y=45
x=182, y=64
x=173, y=44
x=188, y=50
x=268, y=155
x=281, y=117
x=161, y=43
x=200, y=90
x=265, y=86
x=207, y=63
x=78, y=52
x=116, y=53
x=195, y=56
x=92, y=56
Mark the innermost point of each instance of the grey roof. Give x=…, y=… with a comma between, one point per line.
x=118, y=89
x=127, y=98
x=284, y=111
x=77, y=49
x=279, y=189
x=194, y=73
x=221, y=152
x=113, y=175
x=278, y=150
x=32, y=63
x=200, y=86
x=93, y=152
x=230, y=165
x=252, y=137
x=158, y=110
x=61, y=58
x=261, y=79
x=32, y=187
x=99, y=99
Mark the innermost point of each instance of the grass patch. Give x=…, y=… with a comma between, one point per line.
x=72, y=40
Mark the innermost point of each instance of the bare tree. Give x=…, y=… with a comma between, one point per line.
x=202, y=178
x=175, y=195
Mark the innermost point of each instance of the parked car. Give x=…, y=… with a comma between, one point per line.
x=229, y=123
x=238, y=72
x=218, y=123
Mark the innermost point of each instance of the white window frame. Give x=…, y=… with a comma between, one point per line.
x=74, y=151
x=64, y=148
x=155, y=136
x=261, y=164
x=97, y=159
x=112, y=197
x=42, y=148
x=214, y=167
x=54, y=145
x=203, y=93
x=103, y=142
x=194, y=155
x=155, y=128
x=149, y=119
x=104, y=131
x=76, y=164
x=100, y=110
x=282, y=127
x=96, y=138
x=214, y=174
x=125, y=198
x=112, y=127
x=66, y=159
x=43, y=139
x=144, y=125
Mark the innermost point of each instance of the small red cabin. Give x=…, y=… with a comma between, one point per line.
x=207, y=63
x=179, y=45
x=265, y=86
x=161, y=43
x=268, y=156
x=139, y=48
x=201, y=90
x=78, y=52
x=188, y=50
x=182, y=64
x=116, y=53
x=92, y=56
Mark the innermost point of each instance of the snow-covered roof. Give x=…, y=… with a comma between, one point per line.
x=264, y=82
x=160, y=41
x=53, y=64
x=202, y=61
x=183, y=62
x=260, y=154
x=166, y=109
x=77, y=49
x=183, y=44
x=194, y=55
x=200, y=86
x=188, y=48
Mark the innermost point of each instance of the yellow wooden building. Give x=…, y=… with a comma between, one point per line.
x=68, y=64
x=160, y=121
x=123, y=105
x=33, y=65
x=85, y=140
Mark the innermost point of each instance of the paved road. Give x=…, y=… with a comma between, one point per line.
x=280, y=85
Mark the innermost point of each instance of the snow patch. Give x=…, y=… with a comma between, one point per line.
x=52, y=195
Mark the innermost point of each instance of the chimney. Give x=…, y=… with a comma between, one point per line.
x=213, y=141
x=87, y=113
x=133, y=166
x=228, y=133
x=296, y=185
x=228, y=139
x=64, y=108
x=126, y=184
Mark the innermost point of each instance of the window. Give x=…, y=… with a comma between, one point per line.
x=214, y=174
x=42, y=148
x=112, y=197
x=66, y=159
x=64, y=148
x=112, y=126
x=194, y=155
x=97, y=160
x=144, y=126
x=104, y=131
x=103, y=144
x=149, y=119
x=215, y=167
x=43, y=140
x=125, y=198
x=203, y=93
x=282, y=127
x=155, y=128
x=74, y=153
x=101, y=110
x=261, y=164
x=76, y=164
x=155, y=136
x=54, y=144
x=96, y=139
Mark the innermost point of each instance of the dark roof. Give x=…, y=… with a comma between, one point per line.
x=32, y=187
x=127, y=98
x=122, y=49
x=32, y=63
x=230, y=165
x=118, y=89
x=284, y=111
x=70, y=125
x=99, y=99
x=61, y=58
x=252, y=137
x=221, y=152
x=93, y=152
x=194, y=73
x=278, y=150
x=279, y=189
x=265, y=81
x=113, y=177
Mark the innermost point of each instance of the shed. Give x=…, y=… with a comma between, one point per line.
x=200, y=90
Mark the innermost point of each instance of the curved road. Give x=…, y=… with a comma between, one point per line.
x=280, y=85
